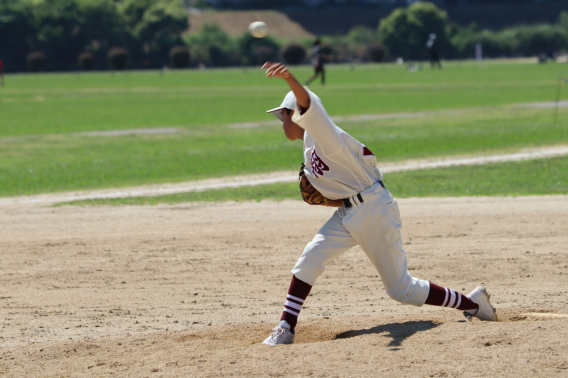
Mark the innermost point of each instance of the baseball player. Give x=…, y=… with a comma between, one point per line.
x=432, y=46
x=318, y=60
x=341, y=172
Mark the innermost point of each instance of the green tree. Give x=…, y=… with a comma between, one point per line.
x=356, y=44
x=494, y=44
x=104, y=27
x=405, y=31
x=60, y=33
x=537, y=39
x=362, y=35
x=163, y=18
x=155, y=26
x=294, y=54
x=527, y=40
x=563, y=19
x=258, y=50
x=17, y=32
x=102, y=20
x=64, y=29
x=67, y=28
x=133, y=11
x=212, y=45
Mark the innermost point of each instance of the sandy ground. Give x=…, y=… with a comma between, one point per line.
x=191, y=290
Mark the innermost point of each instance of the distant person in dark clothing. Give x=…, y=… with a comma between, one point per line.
x=1, y=73
x=432, y=46
x=318, y=60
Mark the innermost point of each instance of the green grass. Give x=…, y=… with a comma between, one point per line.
x=63, y=162
x=61, y=103
x=40, y=115
x=532, y=177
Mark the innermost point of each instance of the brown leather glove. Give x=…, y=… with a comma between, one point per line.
x=311, y=195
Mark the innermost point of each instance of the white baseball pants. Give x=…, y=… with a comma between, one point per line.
x=374, y=225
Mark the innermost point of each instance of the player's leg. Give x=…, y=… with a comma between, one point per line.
x=322, y=70
x=313, y=77
x=297, y=294
x=475, y=303
x=376, y=227
x=436, y=60
x=331, y=241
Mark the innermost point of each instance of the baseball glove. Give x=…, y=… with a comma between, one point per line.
x=311, y=195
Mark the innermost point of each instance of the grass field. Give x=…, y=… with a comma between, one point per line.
x=533, y=177
x=468, y=107
x=56, y=103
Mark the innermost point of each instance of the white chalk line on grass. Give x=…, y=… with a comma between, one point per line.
x=351, y=118
x=252, y=125
x=536, y=153
x=273, y=177
x=162, y=130
x=547, y=104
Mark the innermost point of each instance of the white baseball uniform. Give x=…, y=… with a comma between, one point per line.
x=341, y=167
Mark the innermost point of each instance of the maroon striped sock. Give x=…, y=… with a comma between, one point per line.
x=441, y=296
x=297, y=294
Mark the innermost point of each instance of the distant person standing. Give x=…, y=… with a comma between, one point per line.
x=1, y=73
x=432, y=46
x=478, y=52
x=318, y=60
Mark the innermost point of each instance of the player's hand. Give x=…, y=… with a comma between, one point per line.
x=276, y=70
x=281, y=71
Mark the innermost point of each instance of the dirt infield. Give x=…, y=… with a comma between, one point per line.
x=191, y=290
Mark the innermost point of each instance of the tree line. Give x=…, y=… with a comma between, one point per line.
x=405, y=31
x=61, y=30
x=62, y=35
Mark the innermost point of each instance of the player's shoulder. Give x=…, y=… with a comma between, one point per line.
x=313, y=96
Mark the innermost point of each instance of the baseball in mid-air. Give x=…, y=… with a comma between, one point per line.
x=258, y=29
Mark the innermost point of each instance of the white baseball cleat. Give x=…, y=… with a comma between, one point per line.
x=281, y=334
x=485, y=311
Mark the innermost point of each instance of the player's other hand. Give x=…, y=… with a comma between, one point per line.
x=276, y=70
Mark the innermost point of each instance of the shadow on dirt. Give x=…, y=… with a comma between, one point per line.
x=398, y=331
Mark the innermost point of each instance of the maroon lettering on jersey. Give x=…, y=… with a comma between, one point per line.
x=318, y=165
x=367, y=152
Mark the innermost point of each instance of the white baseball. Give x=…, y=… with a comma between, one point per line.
x=258, y=29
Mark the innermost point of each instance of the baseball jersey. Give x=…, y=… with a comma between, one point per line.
x=336, y=163
x=316, y=55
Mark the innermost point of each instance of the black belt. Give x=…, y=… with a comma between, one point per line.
x=347, y=201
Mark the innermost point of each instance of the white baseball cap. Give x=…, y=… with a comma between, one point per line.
x=288, y=103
